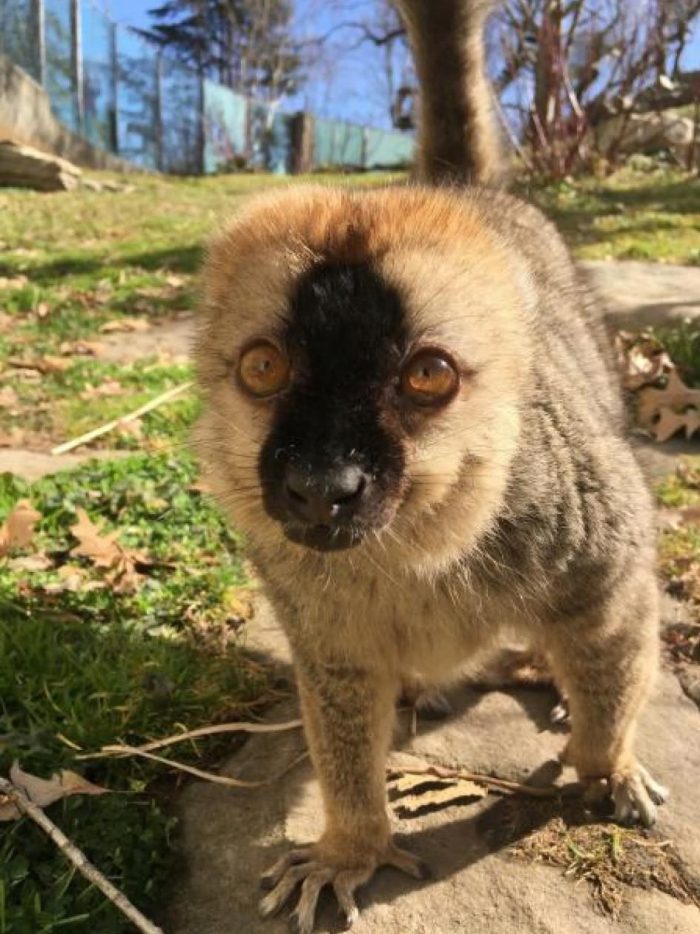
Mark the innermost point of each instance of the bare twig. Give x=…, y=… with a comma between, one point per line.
x=200, y=773
x=78, y=858
x=501, y=784
x=124, y=420
x=240, y=727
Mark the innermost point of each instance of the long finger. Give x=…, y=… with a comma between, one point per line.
x=271, y=876
x=305, y=912
x=344, y=886
x=275, y=899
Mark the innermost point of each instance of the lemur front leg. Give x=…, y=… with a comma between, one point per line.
x=348, y=716
x=606, y=662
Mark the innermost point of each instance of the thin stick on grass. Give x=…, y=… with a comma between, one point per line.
x=200, y=773
x=124, y=420
x=78, y=858
x=240, y=727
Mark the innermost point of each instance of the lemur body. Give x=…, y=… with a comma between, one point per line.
x=410, y=413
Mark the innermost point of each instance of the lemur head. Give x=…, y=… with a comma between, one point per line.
x=361, y=356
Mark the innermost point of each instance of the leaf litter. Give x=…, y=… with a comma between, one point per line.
x=664, y=404
x=104, y=550
x=43, y=791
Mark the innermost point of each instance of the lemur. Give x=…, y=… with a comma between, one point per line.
x=410, y=411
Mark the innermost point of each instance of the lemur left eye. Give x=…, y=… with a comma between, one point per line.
x=429, y=378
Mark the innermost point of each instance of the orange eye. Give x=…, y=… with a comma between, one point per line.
x=263, y=369
x=429, y=378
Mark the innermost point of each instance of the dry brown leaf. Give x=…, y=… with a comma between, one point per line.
x=670, y=409
x=17, y=530
x=419, y=794
x=42, y=791
x=7, y=322
x=104, y=551
x=125, y=324
x=101, y=549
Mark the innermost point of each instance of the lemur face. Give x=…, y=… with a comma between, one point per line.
x=347, y=384
x=357, y=378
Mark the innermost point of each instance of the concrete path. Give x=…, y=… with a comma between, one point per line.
x=638, y=295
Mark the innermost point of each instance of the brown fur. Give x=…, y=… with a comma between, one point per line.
x=523, y=510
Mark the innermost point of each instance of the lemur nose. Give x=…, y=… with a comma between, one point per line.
x=324, y=498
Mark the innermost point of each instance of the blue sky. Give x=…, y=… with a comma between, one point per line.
x=345, y=82
x=342, y=84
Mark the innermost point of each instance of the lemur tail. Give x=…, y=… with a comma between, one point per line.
x=458, y=136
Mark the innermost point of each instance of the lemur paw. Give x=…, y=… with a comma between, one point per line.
x=634, y=794
x=309, y=867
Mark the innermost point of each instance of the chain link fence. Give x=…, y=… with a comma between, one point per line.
x=111, y=86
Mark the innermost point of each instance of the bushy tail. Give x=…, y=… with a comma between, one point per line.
x=458, y=137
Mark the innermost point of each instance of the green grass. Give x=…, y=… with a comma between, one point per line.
x=79, y=669
x=652, y=216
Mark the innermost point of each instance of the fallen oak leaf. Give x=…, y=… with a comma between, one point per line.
x=675, y=395
x=18, y=528
x=43, y=792
x=102, y=549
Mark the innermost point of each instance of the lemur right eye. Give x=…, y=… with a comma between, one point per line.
x=263, y=369
x=429, y=378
